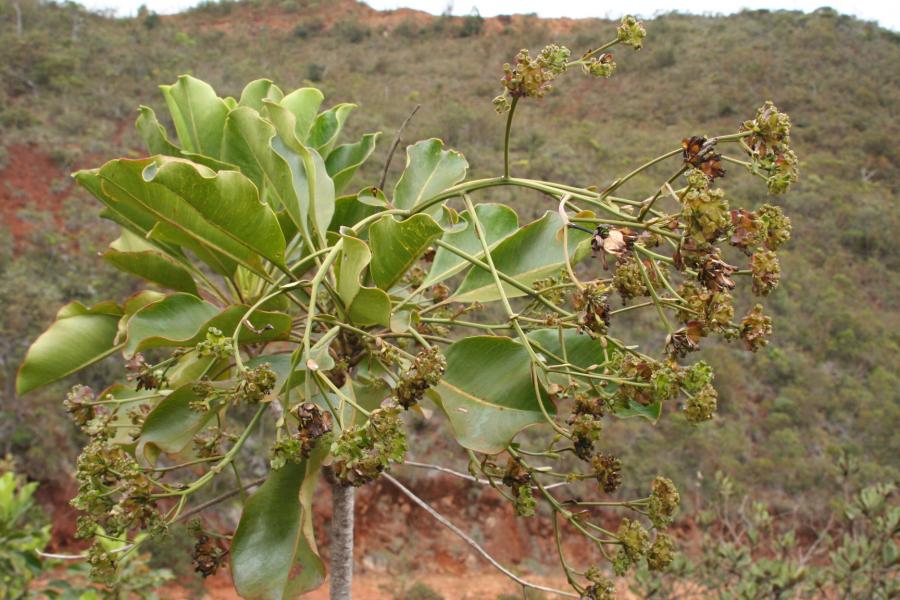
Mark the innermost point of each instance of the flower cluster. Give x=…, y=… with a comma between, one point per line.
x=755, y=328
x=769, y=148
x=766, y=272
x=705, y=310
x=661, y=552
x=425, y=372
x=593, y=303
x=628, y=278
x=601, y=588
x=607, y=472
x=701, y=405
x=362, y=453
x=767, y=227
x=698, y=152
x=531, y=77
x=705, y=214
x=215, y=344
x=664, y=502
x=635, y=542
x=631, y=32
x=518, y=479
x=146, y=376
x=312, y=425
x=600, y=66
x=207, y=557
x=255, y=384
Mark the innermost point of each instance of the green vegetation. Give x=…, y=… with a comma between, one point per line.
x=827, y=384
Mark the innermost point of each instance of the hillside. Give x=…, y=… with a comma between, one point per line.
x=70, y=82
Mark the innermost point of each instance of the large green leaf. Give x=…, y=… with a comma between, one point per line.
x=247, y=143
x=132, y=254
x=304, y=105
x=227, y=200
x=350, y=210
x=397, y=244
x=344, y=160
x=79, y=337
x=365, y=305
x=172, y=424
x=183, y=320
x=327, y=127
x=429, y=171
x=498, y=221
x=312, y=185
x=273, y=552
x=157, y=141
x=488, y=393
x=198, y=113
x=532, y=253
x=188, y=202
x=256, y=91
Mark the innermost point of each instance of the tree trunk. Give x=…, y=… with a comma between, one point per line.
x=341, y=577
x=18, y=10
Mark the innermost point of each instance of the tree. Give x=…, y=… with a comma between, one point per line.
x=331, y=314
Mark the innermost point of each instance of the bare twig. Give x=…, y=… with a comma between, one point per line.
x=460, y=533
x=396, y=143
x=466, y=476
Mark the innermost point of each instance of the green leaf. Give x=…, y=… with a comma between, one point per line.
x=487, y=392
x=397, y=244
x=304, y=105
x=273, y=553
x=79, y=337
x=227, y=200
x=365, y=306
x=344, y=160
x=651, y=412
x=189, y=202
x=313, y=187
x=532, y=253
x=183, y=320
x=248, y=144
x=256, y=91
x=327, y=127
x=131, y=254
x=198, y=113
x=157, y=141
x=171, y=425
x=429, y=171
x=581, y=349
x=350, y=210
x=499, y=221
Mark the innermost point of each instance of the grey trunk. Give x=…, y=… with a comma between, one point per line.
x=341, y=577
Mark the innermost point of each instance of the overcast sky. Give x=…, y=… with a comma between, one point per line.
x=886, y=12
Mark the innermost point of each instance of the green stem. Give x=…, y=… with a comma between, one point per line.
x=509, y=118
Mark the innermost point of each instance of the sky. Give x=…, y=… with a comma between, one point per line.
x=887, y=13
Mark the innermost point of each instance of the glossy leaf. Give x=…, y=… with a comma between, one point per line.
x=227, y=200
x=198, y=113
x=365, y=305
x=134, y=255
x=532, y=253
x=429, y=171
x=487, y=392
x=79, y=337
x=344, y=160
x=183, y=320
x=172, y=424
x=304, y=105
x=157, y=141
x=498, y=220
x=312, y=185
x=327, y=127
x=397, y=244
x=248, y=144
x=273, y=552
x=256, y=91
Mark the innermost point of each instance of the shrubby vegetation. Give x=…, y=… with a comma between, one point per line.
x=827, y=383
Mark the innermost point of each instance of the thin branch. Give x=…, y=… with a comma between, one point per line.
x=390, y=157
x=466, y=476
x=460, y=533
